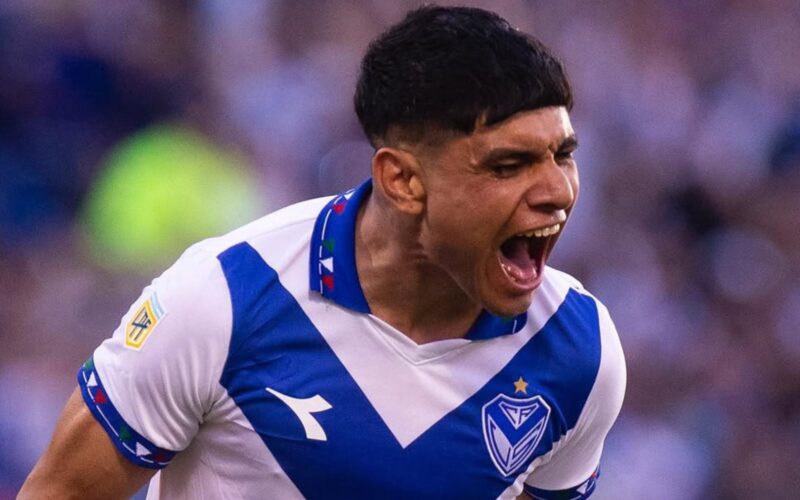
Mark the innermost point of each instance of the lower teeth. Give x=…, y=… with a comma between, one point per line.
x=509, y=273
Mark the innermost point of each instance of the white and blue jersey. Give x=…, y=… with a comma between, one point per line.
x=252, y=368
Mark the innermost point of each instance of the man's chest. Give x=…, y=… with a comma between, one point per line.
x=349, y=408
x=356, y=425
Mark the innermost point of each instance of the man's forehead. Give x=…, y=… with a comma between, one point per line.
x=543, y=128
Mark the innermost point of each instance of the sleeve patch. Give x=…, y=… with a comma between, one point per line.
x=580, y=492
x=143, y=322
x=130, y=443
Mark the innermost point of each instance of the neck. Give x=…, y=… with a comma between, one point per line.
x=402, y=286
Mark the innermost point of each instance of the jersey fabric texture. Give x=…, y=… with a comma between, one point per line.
x=252, y=368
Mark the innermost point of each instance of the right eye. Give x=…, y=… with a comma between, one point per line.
x=506, y=169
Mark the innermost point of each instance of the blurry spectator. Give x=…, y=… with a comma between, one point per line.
x=161, y=191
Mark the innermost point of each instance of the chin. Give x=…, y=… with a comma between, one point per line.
x=509, y=306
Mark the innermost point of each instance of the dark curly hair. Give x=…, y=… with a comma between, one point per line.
x=448, y=68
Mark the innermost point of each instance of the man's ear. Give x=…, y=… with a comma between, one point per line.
x=398, y=175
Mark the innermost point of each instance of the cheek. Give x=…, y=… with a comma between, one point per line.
x=466, y=215
x=460, y=233
x=453, y=206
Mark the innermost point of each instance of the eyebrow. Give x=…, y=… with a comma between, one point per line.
x=527, y=155
x=569, y=142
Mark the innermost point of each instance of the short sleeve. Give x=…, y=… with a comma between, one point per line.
x=152, y=382
x=573, y=468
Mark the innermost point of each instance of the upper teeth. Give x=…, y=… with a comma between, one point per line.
x=542, y=232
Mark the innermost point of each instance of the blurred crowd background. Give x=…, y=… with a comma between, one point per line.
x=131, y=128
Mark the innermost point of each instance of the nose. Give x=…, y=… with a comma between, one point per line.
x=553, y=187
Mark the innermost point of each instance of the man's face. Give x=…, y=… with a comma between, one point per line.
x=496, y=201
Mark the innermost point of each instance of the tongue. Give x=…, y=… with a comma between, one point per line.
x=517, y=254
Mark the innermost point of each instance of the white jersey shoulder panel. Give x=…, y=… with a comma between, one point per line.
x=577, y=456
x=164, y=388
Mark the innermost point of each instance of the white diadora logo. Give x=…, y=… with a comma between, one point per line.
x=304, y=408
x=512, y=428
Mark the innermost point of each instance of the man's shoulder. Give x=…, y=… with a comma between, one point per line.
x=601, y=332
x=198, y=272
x=559, y=283
x=561, y=290
x=558, y=286
x=561, y=279
x=300, y=216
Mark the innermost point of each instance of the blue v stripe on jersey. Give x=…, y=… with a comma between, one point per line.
x=275, y=345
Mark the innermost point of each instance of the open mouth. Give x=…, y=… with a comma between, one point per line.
x=522, y=256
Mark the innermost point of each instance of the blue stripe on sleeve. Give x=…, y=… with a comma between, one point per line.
x=130, y=443
x=583, y=490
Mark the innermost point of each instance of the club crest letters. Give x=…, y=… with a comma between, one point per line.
x=512, y=429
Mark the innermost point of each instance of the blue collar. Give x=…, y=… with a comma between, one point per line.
x=333, y=264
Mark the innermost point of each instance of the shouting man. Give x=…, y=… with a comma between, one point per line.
x=404, y=339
